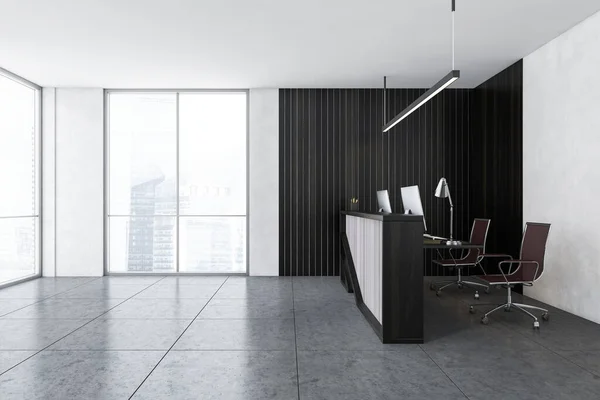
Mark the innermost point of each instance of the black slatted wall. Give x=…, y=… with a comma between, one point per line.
x=332, y=149
x=497, y=158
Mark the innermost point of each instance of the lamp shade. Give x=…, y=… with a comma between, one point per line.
x=442, y=190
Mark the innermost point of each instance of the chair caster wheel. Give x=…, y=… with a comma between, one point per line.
x=431, y=286
x=438, y=293
x=545, y=316
x=507, y=309
x=485, y=320
x=476, y=296
x=471, y=310
x=536, y=325
x=460, y=286
x=487, y=290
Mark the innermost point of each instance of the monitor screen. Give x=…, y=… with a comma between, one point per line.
x=383, y=200
x=411, y=200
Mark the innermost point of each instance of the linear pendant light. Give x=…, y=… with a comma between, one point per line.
x=435, y=89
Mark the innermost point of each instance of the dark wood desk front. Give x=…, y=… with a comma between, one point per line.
x=382, y=263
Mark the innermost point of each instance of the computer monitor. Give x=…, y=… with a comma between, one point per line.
x=383, y=200
x=411, y=200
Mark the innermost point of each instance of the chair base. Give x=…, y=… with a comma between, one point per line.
x=460, y=282
x=510, y=305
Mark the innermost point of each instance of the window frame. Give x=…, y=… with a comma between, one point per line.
x=106, y=171
x=38, y=209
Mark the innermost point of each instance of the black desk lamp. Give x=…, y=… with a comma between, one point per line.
x=442, y=192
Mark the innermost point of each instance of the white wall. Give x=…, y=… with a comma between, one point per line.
x=73, y=182
x=561, y=145
x=264, y=182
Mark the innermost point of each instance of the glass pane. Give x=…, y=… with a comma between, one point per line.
x=18, y=244
x=142, y=244
x=212, y=244
x=17, y=149
x=212, y=137
x=142, y=149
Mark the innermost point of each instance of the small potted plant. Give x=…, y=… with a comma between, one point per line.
x=354, y=204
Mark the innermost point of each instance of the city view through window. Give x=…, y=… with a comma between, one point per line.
x=19, y=180
x=177, y=182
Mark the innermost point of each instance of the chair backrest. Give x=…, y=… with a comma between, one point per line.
x=479, y=233
x=533, y=248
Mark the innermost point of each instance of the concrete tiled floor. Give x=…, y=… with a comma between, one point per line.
x=274, y=338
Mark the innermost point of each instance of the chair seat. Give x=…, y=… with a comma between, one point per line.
x=453, y=263
x=499, y=279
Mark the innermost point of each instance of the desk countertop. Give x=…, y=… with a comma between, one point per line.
x=385, y=217
x=441, y=244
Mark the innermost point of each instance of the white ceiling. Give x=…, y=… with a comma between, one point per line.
x=272, y=43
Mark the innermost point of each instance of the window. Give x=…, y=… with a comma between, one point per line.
x=19, y=179
x=177, y=182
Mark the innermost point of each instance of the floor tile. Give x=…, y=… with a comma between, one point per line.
x=192, y=280
x=34, y=334
x=238, y=334
x=589, y=360
x=285, y=302
x=124, y=334
x=561, y=332
x=179, y=292
x=65, y=308
x=248, y=308
x=317, y=281
x=157, y=309
x=18, y=292
x=230, y=375
x=10, y=305
x=68, y=375
x=260, y=281
x=521, y=375
x=102, y=292
x=333, y=307
x=330, y=332
x=9, y=359
x=473, y=337
x=128, y=280
x=360, y=375
x=321, y=288
x=274, y=290
x=42, y=288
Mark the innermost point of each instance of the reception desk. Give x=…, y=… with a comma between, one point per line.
x=382, y=256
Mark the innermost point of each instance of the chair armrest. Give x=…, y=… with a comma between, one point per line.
x=491, y=255
x=520, y=263
x=482, y=257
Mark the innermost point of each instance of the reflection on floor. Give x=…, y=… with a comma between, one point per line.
x=7, y=276
x=274, y=338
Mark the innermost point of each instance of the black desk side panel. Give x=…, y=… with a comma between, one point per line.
x=402, y=303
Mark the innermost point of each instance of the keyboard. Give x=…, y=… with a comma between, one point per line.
x=428, y=236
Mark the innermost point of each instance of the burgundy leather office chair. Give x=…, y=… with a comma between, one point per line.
x=473, y=258
x=524, y=271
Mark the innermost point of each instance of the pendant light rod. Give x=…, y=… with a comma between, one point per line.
x=435, y=89
x=384, y=99
x=453, y=10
